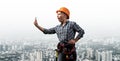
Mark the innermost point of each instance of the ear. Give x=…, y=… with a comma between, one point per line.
x=65, y=16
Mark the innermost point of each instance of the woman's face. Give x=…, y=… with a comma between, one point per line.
x=61, y=16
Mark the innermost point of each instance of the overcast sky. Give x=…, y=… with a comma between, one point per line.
x=96, y=17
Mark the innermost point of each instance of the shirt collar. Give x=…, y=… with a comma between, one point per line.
x=65, y=23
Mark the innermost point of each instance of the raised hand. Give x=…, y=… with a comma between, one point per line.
x=35, y=22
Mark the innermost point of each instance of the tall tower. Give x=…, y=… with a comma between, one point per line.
x=39, y=56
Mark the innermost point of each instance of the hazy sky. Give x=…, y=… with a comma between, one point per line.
x=96, y=17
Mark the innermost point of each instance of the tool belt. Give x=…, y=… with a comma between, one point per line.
x=68, y=49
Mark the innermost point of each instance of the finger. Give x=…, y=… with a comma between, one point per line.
x=35, y=18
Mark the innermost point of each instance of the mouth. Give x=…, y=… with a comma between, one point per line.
x=58, y=18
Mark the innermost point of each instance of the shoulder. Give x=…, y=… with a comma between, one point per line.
x=72, y=22
x=57, y=26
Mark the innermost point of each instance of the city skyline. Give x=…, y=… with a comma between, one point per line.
x=107, y=50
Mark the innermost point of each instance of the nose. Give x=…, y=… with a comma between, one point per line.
x=59, y=16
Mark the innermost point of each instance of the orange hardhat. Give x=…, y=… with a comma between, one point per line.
x=64, y=10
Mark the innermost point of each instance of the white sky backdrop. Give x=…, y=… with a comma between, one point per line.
x=96, y=17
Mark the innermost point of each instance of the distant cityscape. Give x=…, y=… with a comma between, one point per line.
x=106, y=49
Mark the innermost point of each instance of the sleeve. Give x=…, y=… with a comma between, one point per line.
x=49, y=31
x=78, y=29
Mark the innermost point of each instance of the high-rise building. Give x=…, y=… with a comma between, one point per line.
x=36, y=56
x=32, y=57
x=103, y=56
x=106, y=56
x=98, y=56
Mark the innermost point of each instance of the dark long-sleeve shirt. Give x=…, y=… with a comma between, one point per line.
x=66, y=32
